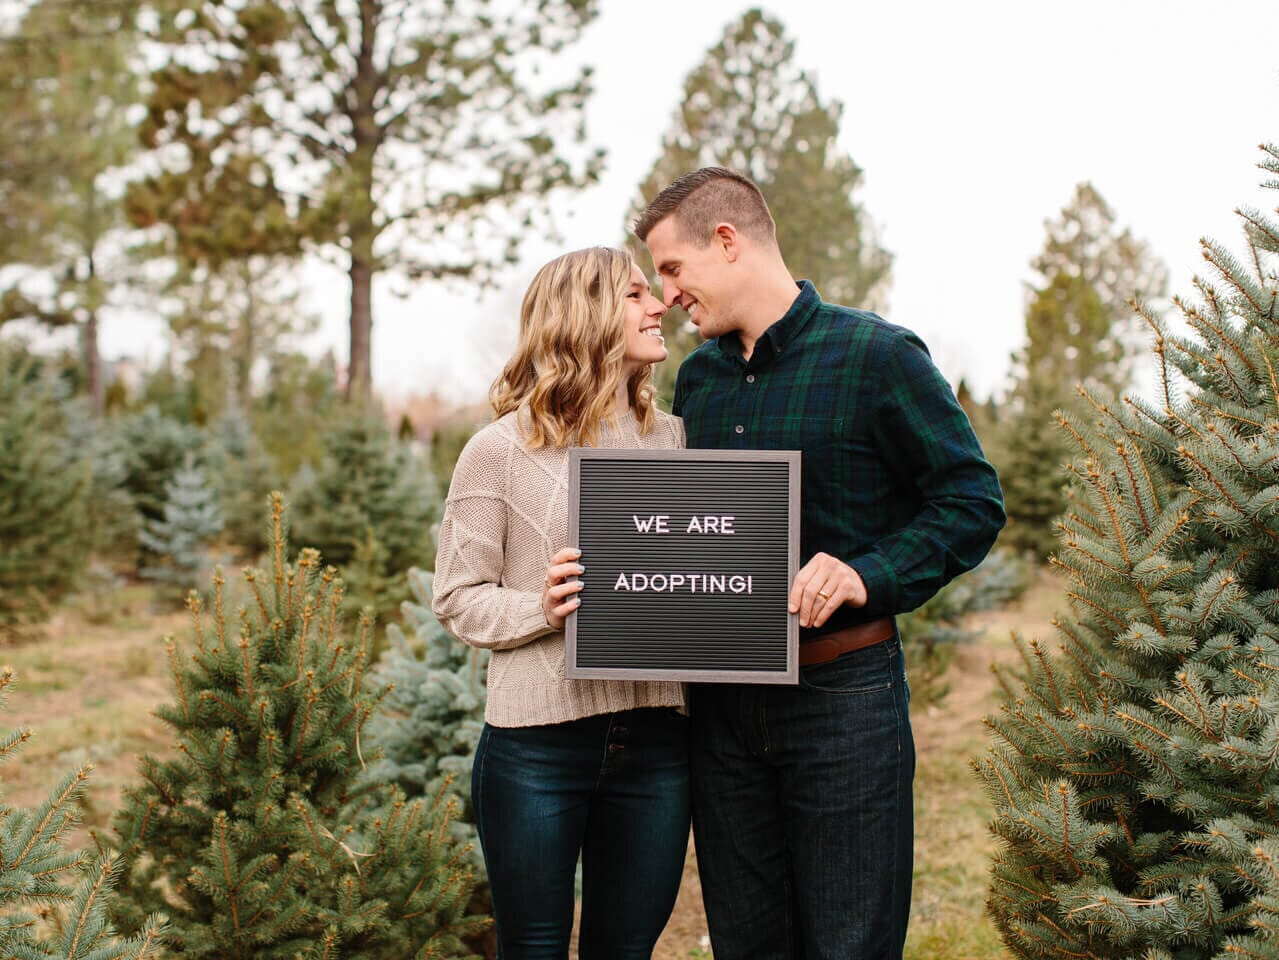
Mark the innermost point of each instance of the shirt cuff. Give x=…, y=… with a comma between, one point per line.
x=881, y=585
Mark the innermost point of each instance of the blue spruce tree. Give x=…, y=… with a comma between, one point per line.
x=431, y=720
x=1134, y=769
x=192, y=518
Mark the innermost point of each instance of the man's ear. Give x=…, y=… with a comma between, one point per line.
x=727, y=241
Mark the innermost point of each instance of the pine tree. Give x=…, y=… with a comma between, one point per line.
x=53, y=900
x=259, y=839
x=192, y=518
x=749, y=105
x=1134, y=770
x=432, y=718
x=420, y=139
x=43, y=494
x=367, y=481
x=246, y=476
x=1079, y=330
x=68, y=75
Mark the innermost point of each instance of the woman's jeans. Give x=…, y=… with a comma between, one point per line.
x=802, y=811
x=613, y=788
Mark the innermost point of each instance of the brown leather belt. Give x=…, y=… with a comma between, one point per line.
x=831, y=645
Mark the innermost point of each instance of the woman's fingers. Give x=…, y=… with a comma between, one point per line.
x=562, y=590
x=557, y=572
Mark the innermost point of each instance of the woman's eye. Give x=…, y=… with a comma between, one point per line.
x=634, y=293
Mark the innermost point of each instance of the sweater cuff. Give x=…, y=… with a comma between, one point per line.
x=881, y=585
x=530, y=620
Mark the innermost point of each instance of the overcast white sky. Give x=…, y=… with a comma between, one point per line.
x=972, y=122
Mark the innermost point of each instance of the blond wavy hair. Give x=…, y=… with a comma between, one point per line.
x=568, y=364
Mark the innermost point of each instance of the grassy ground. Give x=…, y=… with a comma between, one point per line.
x=88, y=685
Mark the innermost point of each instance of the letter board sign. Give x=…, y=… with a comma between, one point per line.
x=689, y=558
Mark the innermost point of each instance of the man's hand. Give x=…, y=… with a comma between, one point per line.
x=559, y=598
x=822, y=587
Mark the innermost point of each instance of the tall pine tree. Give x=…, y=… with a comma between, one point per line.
x=750, y=106
x=420, y=138
x=1079, y=330
x=1134, y=769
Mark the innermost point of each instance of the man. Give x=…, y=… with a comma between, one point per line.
x=802, y=807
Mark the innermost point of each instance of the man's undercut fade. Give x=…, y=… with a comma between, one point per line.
x=701, y=200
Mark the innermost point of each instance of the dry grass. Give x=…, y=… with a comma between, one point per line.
x=88, y=687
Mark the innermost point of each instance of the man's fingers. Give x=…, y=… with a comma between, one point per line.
x=802, y=579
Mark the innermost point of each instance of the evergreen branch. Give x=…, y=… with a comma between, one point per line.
x=307, y=614
x=294, y=579
x=1198, y=319
x=248, y=669
x=106, y=873
x=252, y=577
x=1122, y=449
x=66, y=795
x=1066, y=425
x=1046, y=667
x=1225, y=269
x=1160, y=352
x=334, y=602
x=1274, y=381
x=1240, y=393
x=220, y=617
x=1211, y=478
x=193, y=604
x=1216, y=411
x=220, y=838
x=277, y=536
x=1074, y=595
x=171, y=645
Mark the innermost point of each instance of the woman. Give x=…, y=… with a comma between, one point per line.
x=596, y=767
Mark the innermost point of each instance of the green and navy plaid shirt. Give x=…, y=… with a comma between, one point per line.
x=894, y=481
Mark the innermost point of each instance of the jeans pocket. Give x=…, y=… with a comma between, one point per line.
x=869, y=670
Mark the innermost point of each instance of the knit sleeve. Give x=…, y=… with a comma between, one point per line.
x=471, y=599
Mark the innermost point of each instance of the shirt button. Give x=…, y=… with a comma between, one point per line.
x=750, y=378
x=739, y=429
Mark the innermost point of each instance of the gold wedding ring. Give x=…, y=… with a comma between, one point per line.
x=824, y=596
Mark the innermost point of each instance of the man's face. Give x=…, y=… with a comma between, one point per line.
x=695, y=278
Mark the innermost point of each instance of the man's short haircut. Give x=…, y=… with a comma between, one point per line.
x=705, y=198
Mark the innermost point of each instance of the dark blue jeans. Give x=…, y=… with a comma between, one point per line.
x=802, y=811
x=613, y=788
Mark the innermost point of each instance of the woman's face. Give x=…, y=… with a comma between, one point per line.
x=642, y=322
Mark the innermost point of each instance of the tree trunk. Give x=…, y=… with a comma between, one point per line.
x=93, y=366
x=359, y=383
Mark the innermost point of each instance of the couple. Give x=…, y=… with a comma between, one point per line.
x=800, y=797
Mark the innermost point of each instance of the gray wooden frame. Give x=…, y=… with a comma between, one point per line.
x=745, y=457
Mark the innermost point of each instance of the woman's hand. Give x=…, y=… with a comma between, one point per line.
x=559, y=599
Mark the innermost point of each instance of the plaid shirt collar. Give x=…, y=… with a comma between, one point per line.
x=777, y=337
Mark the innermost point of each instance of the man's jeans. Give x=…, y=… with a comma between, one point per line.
x=802, y=811
x=612, y=787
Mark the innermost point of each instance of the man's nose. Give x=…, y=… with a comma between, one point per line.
x=670, y=293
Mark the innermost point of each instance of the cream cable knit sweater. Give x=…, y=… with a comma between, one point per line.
x=505, y=517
